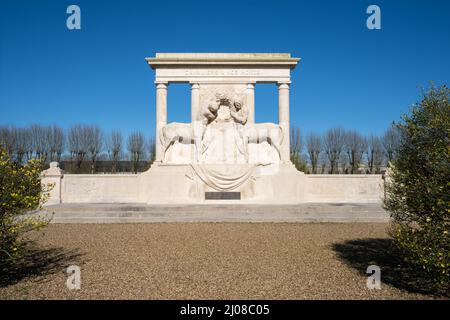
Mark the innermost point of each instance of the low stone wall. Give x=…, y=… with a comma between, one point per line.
x=175, y=186
x=99, y=188
x=344, y=188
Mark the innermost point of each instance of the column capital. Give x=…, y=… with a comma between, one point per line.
x=250, y=86
x=283, y=85
x=195, y=85
x=161, y=85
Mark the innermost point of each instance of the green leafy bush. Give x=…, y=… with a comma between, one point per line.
x=418, y=188
x=20, y=192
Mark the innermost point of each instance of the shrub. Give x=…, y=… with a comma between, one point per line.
x=418, y=188
x=20, y=192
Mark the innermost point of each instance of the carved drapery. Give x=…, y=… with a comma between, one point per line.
x=226, y=179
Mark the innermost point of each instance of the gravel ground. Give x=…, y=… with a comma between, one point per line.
x=208, y=261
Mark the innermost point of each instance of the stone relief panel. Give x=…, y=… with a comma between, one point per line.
x=220, y=134
x=212, y=92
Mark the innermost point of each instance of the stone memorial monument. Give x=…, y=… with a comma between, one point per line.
x=222, y=153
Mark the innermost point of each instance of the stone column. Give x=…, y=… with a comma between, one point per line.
x=283, y=119
x=161, y=117
x=195, y=101
x=250, y=93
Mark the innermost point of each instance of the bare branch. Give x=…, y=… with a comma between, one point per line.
x=135, y=146
x=374, y=154
x=390, y=140
x=56, y=143
x=40, y=139
x=114, y=148
x=94, y=143
x=151, y=149
x=314, y=148
x=7, y=139
x=22, y=143
x=355, y=145
x=78, y=141
x=334, y=143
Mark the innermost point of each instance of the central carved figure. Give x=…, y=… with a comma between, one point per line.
x=220, y=134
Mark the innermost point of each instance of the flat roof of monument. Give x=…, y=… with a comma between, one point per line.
x=164, y=59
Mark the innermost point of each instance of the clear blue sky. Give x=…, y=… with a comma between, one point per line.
x=349, y=76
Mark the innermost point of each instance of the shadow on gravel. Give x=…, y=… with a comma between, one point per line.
x=38, y=262
x=361, y=253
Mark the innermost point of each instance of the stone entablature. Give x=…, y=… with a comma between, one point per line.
x=222, y=67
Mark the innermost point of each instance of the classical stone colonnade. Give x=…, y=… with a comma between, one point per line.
x=223, y=70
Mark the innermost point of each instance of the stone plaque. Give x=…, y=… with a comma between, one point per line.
x=222, y=196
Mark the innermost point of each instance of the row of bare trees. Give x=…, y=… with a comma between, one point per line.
x=80, y=144
x=343, y=151
x=337, y=150
x=42, y=142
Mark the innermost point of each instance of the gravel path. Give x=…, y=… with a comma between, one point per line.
x=208, y=261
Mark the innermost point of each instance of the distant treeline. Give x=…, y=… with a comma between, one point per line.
x=87, y=149
x=105, y=166
x=343, y=151
x=80, y=148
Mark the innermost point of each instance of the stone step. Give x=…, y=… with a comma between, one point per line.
x=124, y=213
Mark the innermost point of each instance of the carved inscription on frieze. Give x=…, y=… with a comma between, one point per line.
x=223, y=72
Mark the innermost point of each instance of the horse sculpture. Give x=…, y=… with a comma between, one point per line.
x=194, y=132
x=187, y=132
x=260, y=132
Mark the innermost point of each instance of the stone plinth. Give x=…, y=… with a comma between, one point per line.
x=277, y=183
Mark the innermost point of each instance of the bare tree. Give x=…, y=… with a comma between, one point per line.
x=151, y=149
x=78, y=141
x=135, y=145
x=22, y=143
x=94, y=143
x=7, y=139
x=390, y=141
x=296, y=148
x=73, y=142
x=114, y=148
x=56, y=143
x=343, y=162
x=296, y=142
x=374, y=154
x=334, y=143
x=323, y=159
x=40, y=139
x=355, y=145
x=29, y=147
x=314, y=147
